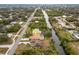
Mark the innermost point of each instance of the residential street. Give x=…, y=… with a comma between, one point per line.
x=21, y=32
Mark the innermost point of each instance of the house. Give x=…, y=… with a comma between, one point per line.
x=20, y=23
x=10, y=35
x=10, y=16
x=2, y=28
x=36, y=17
x=64, y=16
x=24, y=42
x=8, y=26
x=64, y=23
x=14, y=22
x=37, y=38
x=36, y=21
x=24, y=38
x=25, y=16
x=76, y=35
x=0, y=18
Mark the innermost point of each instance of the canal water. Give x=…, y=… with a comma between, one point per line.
x=54, y=36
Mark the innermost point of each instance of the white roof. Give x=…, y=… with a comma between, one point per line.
x=76, y=35
x=36, y=31
x=71, y=31
x=13, y=22
x=20, y=22
x=25, y=16
x=8, y=26
x=24, y=42
x=64, y=16
x=9, y=34
x=36, y=21
x=24, y=38
x=0, y=18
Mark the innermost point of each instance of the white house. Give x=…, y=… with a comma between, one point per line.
x=8, y=26
x=20, y=23
x=76, y=35
x=10, y=34
x=0, y=18
x=13, y=22
x=24, y=42
x=24, y=38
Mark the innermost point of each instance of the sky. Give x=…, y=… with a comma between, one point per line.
x=39, y=2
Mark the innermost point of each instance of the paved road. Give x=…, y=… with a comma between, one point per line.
x=21, y=32
x=54, y=36
x=5, y=46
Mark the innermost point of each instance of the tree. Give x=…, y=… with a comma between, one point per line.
x=76, y=23
x=28, y=52
x=5, y=22
x=2, y=28
x=70, y=19
x=14, y=28
x=3, y=37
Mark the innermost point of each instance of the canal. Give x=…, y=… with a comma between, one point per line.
x=54, y=36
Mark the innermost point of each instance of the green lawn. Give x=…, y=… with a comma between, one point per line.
x=53, y=13
x=72, y=48
x=23, y=49
x=9, y=41
x=63, y=35
x=3, y=50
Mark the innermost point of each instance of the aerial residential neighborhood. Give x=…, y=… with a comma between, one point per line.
x=39, y=29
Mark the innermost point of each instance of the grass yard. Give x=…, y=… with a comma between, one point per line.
x=3, y=50
x=46, y=49
x=72, y=48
